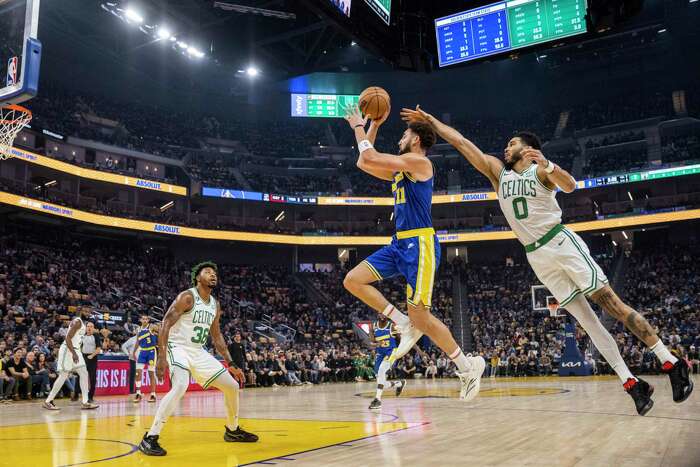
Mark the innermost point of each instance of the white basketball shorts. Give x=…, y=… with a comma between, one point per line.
x=203, y=367
x=65, y=360
x=565, y=266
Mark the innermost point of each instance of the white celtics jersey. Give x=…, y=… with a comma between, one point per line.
x=77, y=339
x=192, y=329
x=530, y=208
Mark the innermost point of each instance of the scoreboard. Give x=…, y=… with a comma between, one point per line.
x=504, y=26
x=382, y=8
x=322, y=105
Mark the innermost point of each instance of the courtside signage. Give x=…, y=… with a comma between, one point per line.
x=97, y=175
x=319, y=240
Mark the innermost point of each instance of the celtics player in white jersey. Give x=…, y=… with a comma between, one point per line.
x=70, y=360
x=192, y=317
x=526, y=184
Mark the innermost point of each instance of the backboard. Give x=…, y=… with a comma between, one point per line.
x=543, y=300
x=20, y=50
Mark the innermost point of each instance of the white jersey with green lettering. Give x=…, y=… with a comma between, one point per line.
x=530, y=208
x=192, y=329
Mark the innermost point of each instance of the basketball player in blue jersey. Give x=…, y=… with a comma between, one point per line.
x=383, y=335
x=414, y=252
x=145, y=356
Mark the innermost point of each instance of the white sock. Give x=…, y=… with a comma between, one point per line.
x=603, y=341
x=378, y=394
x=460, y=360
x=138, y=386
x=179, y=383
x=662, y=353
x=395, y=315
x=57, y=385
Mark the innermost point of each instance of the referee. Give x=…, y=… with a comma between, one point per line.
x=91, y=348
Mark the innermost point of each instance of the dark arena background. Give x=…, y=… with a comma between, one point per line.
x=165, y=133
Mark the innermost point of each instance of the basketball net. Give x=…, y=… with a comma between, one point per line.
x=553, y=309
x=12, y=119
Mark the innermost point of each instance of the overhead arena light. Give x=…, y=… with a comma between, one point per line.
x=252, y=71
x=51, y=183
x=132, y=15
x=167, y=206
x=164, y=34
x=182, y=45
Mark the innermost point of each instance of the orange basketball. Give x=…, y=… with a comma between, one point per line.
x=374, y=102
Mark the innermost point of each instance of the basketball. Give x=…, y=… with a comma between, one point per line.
x=374, y=102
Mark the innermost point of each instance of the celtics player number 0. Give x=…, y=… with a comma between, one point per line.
x=520, y=208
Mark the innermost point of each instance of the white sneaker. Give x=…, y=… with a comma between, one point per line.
x=409, y=336
x=471, y=380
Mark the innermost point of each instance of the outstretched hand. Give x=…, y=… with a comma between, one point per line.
x=535, y=156
x=417, y=115
x=354, y=117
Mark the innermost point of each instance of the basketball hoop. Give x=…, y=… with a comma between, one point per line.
x=553, y=306
x=12, y=119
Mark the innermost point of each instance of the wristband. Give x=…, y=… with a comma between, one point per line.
x=231, y=364
x=359, y=125
x=364, y=145
x=550, y=167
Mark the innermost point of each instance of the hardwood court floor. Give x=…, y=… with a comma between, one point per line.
x=514, y=422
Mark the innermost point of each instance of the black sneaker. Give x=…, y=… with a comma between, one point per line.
x=149, y=446
x=400, y=387
x=239, y=436
x=137, y=398
x=641, y=392
x=375, y=405
x=680, y=380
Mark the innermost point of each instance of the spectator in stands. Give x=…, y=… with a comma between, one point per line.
x=7, y=382
x=20, y=372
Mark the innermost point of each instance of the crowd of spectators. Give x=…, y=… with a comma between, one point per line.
x=44, y=280
x=267, y=142
x=684, y=148
x=620, y=159
x=616, y=138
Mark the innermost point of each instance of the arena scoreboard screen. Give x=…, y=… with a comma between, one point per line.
x=504, y=26
x=322, y=105
x=381, y=8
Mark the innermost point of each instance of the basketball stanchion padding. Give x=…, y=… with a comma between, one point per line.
x=12, y=119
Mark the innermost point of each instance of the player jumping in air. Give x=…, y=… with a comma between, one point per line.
x=526, y=184
x=382, y=334
x=145, y=355
x=70, y=359
x=193, y=315
x=414, y=252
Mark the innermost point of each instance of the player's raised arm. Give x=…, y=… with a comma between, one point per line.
x=356, y=121
x=487, y=165
x=183, y=302
x=386, y=163
x=550, y=173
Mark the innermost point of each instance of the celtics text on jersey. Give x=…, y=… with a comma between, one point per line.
x=192, y=329
x=530, y=208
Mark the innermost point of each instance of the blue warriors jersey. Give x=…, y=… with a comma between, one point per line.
x=147, y=341
x=412, y=202
x=384, y=337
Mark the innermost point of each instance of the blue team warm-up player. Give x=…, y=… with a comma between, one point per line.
x=414, y=251
x=145, y=355
x=383, y=336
